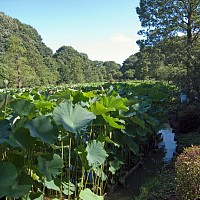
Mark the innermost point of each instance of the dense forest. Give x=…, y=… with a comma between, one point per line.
x=169, y=51
x=26, y=61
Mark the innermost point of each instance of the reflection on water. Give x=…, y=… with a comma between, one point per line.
x=151, y=167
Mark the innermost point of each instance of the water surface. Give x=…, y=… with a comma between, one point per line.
x=151, y=166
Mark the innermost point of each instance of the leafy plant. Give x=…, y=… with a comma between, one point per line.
x=188, y=172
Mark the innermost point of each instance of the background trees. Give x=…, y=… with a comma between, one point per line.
x=27, y=61
x=173, y=26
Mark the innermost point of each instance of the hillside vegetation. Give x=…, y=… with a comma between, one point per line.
x=26, y=61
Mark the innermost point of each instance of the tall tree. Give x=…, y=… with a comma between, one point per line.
x=162, y=20
x=166, y=18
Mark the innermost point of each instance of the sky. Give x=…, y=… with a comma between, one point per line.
x=106, y=30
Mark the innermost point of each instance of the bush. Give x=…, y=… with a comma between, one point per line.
x=187, y=168
x=188, y=119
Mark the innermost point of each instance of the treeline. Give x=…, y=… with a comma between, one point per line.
x=25, y=61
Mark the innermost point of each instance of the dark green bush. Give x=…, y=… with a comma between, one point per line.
x=187, y=168
x=188, y=119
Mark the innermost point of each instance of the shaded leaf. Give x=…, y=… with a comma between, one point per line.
x=5, y=130
x=22, y=107
x=43, y=128
x=8, y=175
x=50, y=165
x=21, y=138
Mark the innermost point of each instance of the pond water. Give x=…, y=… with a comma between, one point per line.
x=151, y=166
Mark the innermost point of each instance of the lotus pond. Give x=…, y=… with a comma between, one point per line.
x=64, y=143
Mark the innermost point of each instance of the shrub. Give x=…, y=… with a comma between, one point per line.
x=187, y=168
x=188, y=119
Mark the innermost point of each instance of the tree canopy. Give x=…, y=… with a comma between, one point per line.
x=25, y=61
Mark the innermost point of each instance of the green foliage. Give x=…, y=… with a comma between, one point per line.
x=96, y=155
x=74, y=119
x=62, y=141
x=188, y=173
x=25, y=61
x=50, y=165
x=87, y=194
x=160, y=23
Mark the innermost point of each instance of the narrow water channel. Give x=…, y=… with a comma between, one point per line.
x=151, y=166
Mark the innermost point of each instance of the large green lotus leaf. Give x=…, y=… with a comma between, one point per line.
x=5, y=99
x=8, y=175
x=22, y=186
x=42, y=127
x=74, y=119
x=114, y=102
x=87, y=194
x=96, y=153
x=142, y=107
x=99, y=109
x=21, y=138
x=112, y=121
x=5, y=130
x=50, y=165
x=22, y=107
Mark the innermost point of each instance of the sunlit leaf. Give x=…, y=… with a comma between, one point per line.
x=98, y=109
x=74, y=119
x=53, y=184
x=114, y=102
x=112, y=121
x=87, y=194
x=96, y=153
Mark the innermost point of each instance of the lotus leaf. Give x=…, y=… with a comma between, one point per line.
x=96, y=153
x=43, y=128
x=87, y=194
x=5, y=130
x=50, y=165
x=74, y=119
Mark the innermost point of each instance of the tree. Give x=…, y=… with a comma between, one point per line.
x=129, y=74
x=166, y=18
